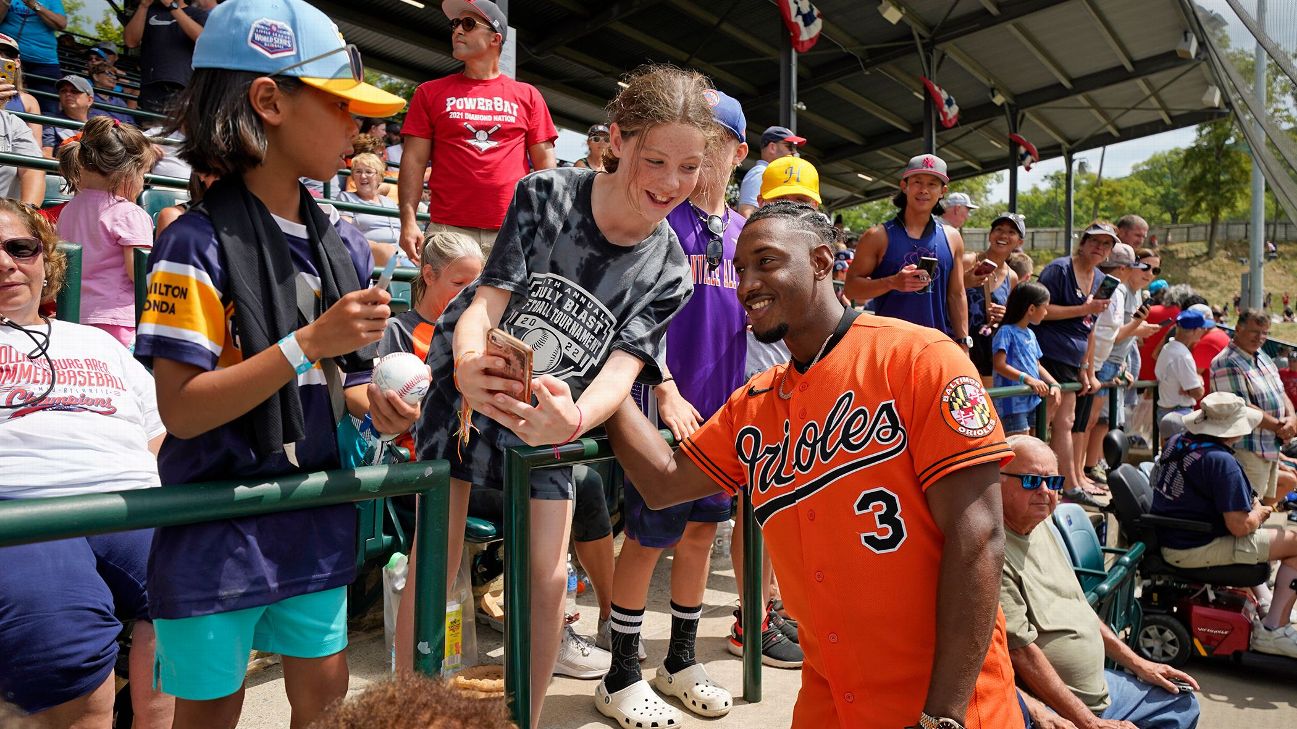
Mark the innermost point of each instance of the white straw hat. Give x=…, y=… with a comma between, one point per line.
x=1224, y=415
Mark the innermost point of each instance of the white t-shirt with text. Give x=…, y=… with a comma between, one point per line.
x=91, y=433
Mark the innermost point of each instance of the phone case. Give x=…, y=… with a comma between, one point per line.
x=1107, y=288
x=517, y=356
x=930, y=265
x=9, y=71
x=983, y=269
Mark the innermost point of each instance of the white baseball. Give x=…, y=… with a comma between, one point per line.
x=404, y=374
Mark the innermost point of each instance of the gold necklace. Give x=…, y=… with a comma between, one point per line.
x=783, y=380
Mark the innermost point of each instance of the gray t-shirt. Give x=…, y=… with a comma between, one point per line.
x=15, y=138
x=575, y=297
x=406, y=332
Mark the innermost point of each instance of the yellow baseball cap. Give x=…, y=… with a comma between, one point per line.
x=790, y=176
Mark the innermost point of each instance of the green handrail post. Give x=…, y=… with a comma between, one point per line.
x=518, y=465
x=1157, y=431
x=1114, y=394
x=68, y=303
x=1042, y=420
x=140, y=263
x=517, y=590
x=430, y=576
x=754, y=610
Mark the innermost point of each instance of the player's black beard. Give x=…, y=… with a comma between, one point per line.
x=770, y=336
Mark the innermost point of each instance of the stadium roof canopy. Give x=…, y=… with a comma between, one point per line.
x=1075, y=74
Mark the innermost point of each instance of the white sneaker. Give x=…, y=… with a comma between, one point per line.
x=579, y=658
x=603, y=638
x=1280, y=641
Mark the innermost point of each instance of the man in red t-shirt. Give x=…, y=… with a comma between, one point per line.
x=481, y=130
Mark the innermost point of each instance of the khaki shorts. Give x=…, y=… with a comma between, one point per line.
x=1252, y=549
x=485, y=237
x=1262, y=474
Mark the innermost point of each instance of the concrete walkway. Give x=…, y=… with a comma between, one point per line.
x=1232, y=696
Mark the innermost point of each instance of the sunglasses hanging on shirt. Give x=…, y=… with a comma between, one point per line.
x=715, y=226
x=41, y=340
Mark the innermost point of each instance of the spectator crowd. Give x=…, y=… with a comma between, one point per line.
x=751, y=329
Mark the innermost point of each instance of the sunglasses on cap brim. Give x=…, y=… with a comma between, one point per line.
x=357, y=66
x=1033, y=481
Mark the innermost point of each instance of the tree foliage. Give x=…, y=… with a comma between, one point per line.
x=1216, y=175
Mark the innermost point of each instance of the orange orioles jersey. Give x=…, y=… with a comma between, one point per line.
x=836, y=474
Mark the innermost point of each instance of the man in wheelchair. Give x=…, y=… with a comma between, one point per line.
x=1197, y=478
x=1056, y=642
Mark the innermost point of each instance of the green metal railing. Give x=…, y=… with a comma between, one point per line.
x=68, y=302
x=103, y=106
x=519, y=463
x=1041, y=426
x=133, y=93
x=24, y=521
x=49, y=165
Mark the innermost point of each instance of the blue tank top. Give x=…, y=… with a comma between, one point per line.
x=977, y=303
x=926, y=309
x=15, y=103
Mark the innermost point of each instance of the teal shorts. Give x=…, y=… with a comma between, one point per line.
x=205, y=657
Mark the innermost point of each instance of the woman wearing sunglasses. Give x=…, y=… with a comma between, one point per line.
x=598, y=142
x=71, y=400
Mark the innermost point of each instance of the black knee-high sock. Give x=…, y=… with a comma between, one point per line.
x=624, y=670
x=684, y=634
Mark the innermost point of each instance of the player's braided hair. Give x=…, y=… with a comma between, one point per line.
x=802, y=216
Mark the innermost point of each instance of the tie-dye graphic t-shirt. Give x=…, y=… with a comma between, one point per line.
x=574, y=297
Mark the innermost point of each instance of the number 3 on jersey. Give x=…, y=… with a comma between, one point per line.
x=886, y=508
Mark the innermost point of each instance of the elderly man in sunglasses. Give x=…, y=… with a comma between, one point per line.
x=1056, y=642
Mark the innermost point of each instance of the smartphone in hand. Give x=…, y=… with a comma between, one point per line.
x=517, y=356
x=929, y=265
x=985, y=268
x=1108, y=287
x=9, y=71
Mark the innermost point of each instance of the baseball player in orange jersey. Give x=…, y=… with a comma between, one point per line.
x=872, y=462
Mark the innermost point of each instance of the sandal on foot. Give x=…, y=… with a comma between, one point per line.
x=695, y=689
x=636, y=707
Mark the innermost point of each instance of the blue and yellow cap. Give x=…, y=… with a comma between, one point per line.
x=290, y=38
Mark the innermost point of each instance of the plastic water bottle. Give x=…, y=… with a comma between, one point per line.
x=724, y=535
x=571, y=612
x=394, y=575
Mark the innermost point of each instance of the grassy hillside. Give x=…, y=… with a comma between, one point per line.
x=1218, y=279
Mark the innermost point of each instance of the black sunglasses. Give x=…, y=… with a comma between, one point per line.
x=715, y=242
x=599, y=138
x=1156, y=270
x=1032, y=481
x=10, y=53
x=468, y=24
x=23, y=249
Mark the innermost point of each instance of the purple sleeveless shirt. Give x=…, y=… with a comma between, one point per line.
x=927, y=309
